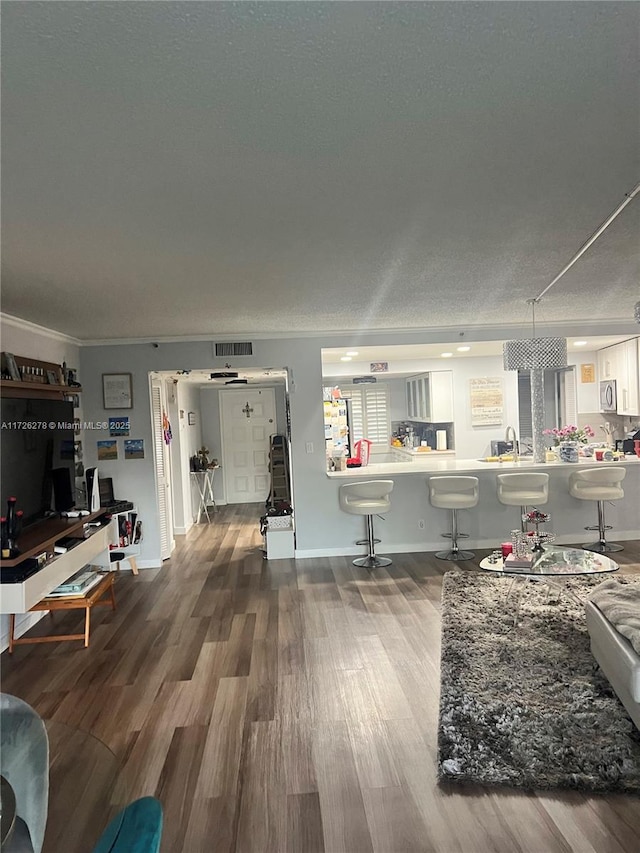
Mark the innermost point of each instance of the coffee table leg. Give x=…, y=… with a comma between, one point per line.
x=515, y=593
x=87, y=623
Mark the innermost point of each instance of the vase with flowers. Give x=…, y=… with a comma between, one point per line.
x=568, y=439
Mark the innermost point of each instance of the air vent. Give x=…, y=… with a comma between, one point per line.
x=234, y=348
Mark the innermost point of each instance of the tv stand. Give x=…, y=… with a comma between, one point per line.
x=40, y=538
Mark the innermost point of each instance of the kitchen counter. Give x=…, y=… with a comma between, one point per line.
x=437, y=462
x=413, y=525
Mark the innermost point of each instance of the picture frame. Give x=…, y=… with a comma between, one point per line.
x=191, y=418
x=117, y=391
x=379, y=366
x=587, y=373
x=52, y=377
x=12, y=367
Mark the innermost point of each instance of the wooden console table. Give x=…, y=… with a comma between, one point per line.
x=95, y=597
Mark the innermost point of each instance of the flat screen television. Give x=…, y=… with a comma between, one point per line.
x=37, y=456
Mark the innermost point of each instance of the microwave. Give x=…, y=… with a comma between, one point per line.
x=608, y=401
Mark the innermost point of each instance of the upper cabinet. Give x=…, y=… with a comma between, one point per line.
x=622, y=364
x=430, y=397
x=628, y=389
x=608, y=363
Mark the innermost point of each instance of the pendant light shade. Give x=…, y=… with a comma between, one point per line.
x=535, y=354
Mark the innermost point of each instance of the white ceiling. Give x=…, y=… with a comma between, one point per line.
x=214, y=168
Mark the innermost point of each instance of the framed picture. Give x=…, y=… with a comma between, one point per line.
x=107, y=450
x=486, y=401
x=587, y=373
x=191, y=418
x=12, y=367
x=119, y=426
x=134, y=448
x=379, y=366
x=117, y=391
x=52, y=377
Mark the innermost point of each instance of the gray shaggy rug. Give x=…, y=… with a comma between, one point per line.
x=528, y=706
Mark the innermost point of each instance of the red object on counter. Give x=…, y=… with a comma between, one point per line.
x=362, y=449
x=507, y=548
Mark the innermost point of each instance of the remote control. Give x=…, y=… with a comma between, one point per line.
x=71, y=513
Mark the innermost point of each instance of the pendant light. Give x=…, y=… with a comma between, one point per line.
x=536, y=355
x=540, y=354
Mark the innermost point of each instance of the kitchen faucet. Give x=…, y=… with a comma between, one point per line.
x=510, y=431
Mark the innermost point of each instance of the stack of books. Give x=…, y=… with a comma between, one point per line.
x=78, y=584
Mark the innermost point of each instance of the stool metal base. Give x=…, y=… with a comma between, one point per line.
x=603, y=547
x=455, y=556
x=373, y=562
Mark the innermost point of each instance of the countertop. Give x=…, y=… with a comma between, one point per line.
x=430, y=462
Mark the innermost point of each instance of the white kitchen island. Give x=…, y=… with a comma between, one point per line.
x=413, y=524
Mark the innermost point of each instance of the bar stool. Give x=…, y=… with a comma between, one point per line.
x=369, y=498
x=523, y=490
x=454, y=493
x=598, y=484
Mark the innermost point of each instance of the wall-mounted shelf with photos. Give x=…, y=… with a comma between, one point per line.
x=30, y=377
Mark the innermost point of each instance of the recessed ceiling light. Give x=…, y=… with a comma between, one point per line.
x=446, y=354
x=580, y=343
x=463, y=349
x=352, y=353
x=345, y=358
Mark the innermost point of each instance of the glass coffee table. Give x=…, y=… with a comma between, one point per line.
x=554, y=564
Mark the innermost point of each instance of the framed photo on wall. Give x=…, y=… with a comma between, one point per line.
x=117, y=391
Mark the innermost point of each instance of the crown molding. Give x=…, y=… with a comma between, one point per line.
x=34, y=328
x=431, y=334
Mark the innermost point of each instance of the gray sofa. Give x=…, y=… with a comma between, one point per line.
x=617, y=658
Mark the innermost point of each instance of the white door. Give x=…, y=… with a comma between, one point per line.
x=248, y=422
x=162, y=469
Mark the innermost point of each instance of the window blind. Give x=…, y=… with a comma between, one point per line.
x=369, y=413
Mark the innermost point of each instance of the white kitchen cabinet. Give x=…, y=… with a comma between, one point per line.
x=628, y=378
x=608, y=363
x=430, y=397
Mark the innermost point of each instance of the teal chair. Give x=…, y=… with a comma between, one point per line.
x=136, y=829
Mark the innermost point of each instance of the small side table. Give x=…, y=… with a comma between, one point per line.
x=204, y=485
x=93, y=598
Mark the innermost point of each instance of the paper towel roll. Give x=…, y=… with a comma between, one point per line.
x=441, y=439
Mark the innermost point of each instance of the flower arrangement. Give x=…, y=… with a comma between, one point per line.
x=570, y=433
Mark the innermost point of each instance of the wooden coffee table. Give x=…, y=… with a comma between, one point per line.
x=95, y=597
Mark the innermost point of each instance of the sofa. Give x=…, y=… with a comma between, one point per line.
x=616, y=656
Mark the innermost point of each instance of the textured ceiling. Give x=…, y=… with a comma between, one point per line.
x=179, y=168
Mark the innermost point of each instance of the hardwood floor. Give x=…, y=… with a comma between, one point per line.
x=282, y=707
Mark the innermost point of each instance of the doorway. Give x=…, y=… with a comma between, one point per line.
x=248, y=420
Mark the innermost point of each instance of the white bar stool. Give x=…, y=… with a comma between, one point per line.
x=369, y=498
x=454, y=493
x=599, y=484
x=523, y=490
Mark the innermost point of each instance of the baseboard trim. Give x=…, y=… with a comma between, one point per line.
x=469, y=544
